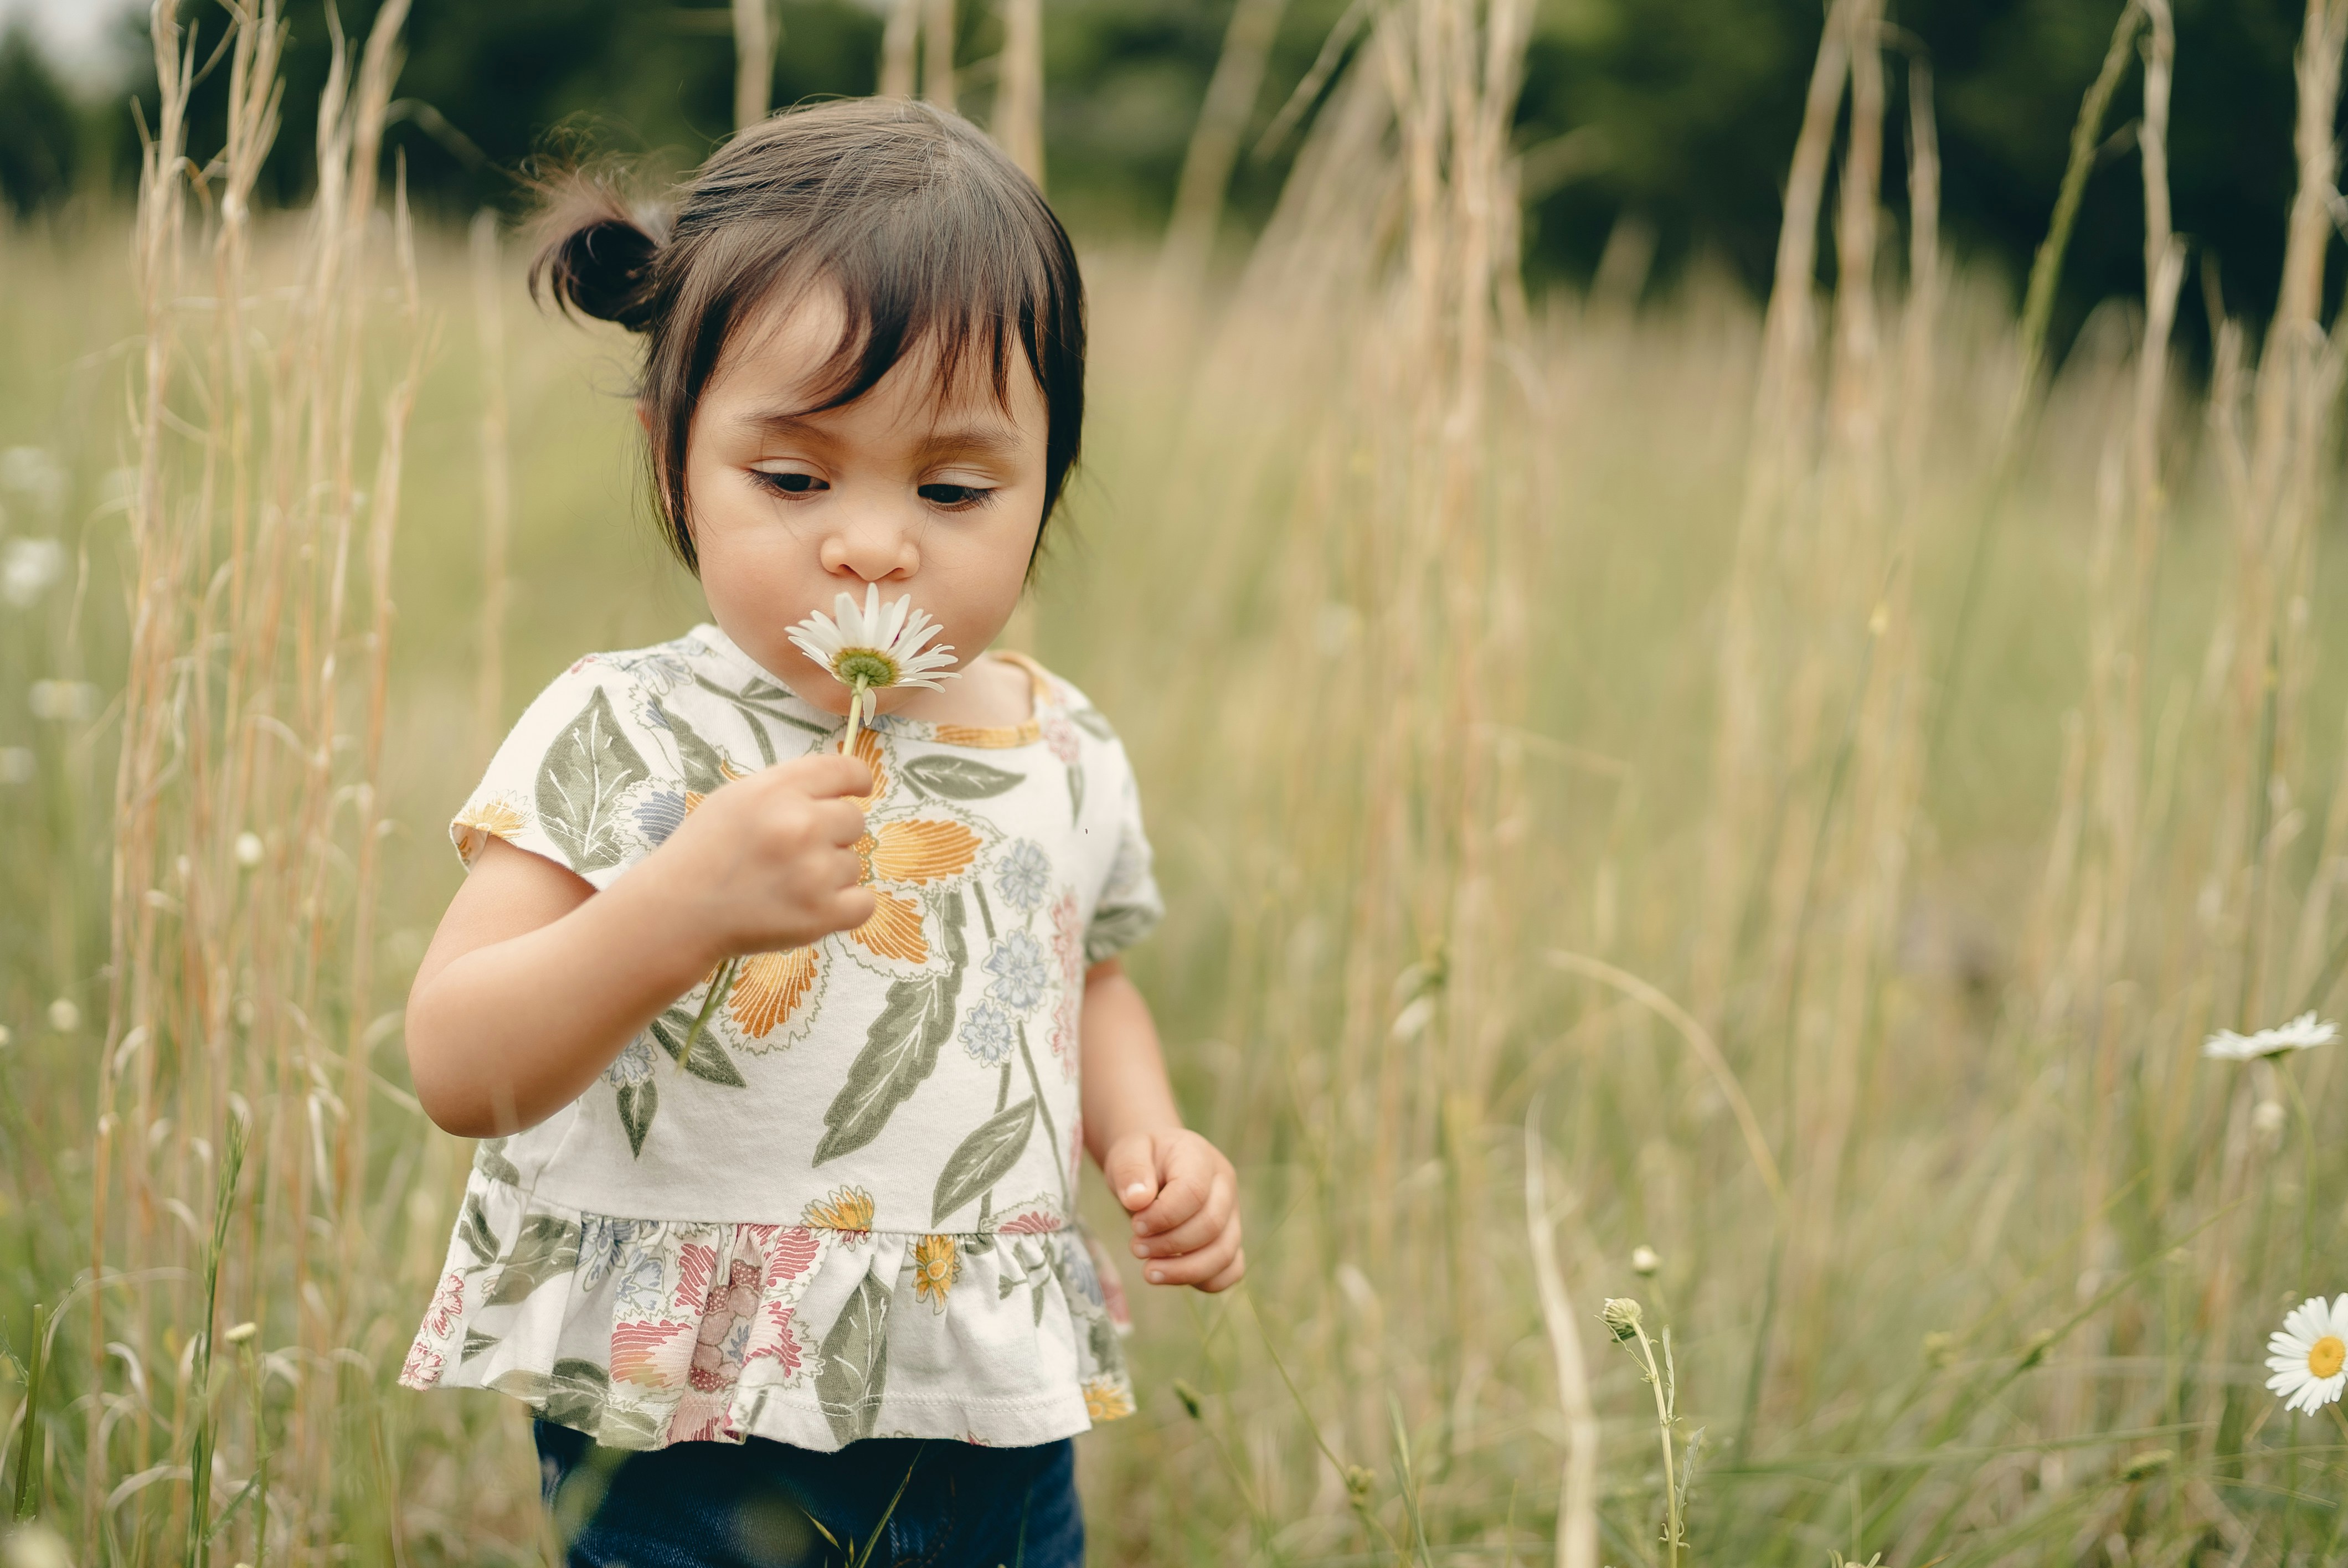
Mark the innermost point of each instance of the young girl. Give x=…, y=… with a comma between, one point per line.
x=784, y=1048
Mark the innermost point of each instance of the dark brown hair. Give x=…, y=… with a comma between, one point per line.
x=935, y=241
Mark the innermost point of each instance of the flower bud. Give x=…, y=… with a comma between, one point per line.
x=1358, y=1481
x=1644, y=1262
x=1620, y=1314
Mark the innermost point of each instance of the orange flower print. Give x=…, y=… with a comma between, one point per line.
x=936, y=1265
x=774, y=993
x=497, y=817
x=844, y=1209
x=1105, y=1399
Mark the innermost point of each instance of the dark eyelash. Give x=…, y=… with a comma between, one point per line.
x=773, y=482
x=972, y=495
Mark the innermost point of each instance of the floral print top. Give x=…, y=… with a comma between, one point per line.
x=845, y=1209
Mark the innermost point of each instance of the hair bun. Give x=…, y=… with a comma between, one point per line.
x=597, y=259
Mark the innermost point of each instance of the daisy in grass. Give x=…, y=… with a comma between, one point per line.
x=2298, y=1034
x=2308, y=1354
x=867, y=648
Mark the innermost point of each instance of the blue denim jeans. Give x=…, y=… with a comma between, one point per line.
x=762, y=1504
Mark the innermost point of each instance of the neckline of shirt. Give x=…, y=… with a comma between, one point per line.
x=980, y=737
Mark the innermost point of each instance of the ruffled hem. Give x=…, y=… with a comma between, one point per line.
x=643, y=1333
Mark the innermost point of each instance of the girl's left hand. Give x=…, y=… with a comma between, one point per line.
x=1184, y=1199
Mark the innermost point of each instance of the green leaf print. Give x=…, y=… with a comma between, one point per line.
x=489, y=1159
x=957, y=778
x=901, y=1049
x=638, y=1105
x=476, y=1342
x=985, y=1158
x=585, y=772
x=853, y=1363
x=1116, y=927
x=1090, y=721
x=548, y=1246
x=708, y=1062
x=1075, y=792
x=705, y=769
x=572, y=1395
x=475, y=1230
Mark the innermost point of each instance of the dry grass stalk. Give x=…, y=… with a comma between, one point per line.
x=1018, y=124
x=938, y=52
x=246, y=843
x=497, y=487
x=754, y=37
x=1232, y=94
x=900, y=39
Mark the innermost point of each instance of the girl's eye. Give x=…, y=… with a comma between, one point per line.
x=789, y=483
x=953, y=498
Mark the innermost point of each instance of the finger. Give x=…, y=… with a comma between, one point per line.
x=830, y=774
x=1195, y=1268
x=839, y=821
x=1184, y=1194
x=1233, y=1272
x=1195, y=1232
x=1130, y=1172
x=851, y=907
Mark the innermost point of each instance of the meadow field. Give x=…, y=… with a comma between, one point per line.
x=1751, y=808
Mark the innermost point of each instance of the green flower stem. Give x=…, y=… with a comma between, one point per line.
x=717, y=989
x=1664, y=1402
x=1043, y=1107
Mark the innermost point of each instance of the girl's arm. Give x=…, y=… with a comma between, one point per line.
x=534, y=981
x=1183, y=1193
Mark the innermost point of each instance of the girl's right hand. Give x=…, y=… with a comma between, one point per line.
x=770, y=861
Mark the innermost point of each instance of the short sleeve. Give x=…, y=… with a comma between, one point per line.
x=583, y=778
x=1130, y=906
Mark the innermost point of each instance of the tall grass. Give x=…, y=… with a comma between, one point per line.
x=1790, y=788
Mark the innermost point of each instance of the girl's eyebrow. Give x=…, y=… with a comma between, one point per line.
x=978, y=441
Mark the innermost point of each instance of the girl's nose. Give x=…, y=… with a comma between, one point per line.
x=874, y=548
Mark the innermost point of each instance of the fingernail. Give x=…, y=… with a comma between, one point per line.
x=1141, y=1249
x=1137, y=1189
x=1139, y=1227
x=1156, y=1277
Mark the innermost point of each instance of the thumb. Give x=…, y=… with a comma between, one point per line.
x=1132, y=1172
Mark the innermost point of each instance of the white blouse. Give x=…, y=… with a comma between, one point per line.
x=848, y=1210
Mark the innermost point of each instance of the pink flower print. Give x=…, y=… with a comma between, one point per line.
x=447, y=1308
x=1036, y=1221
x=1061, y=736
x=695, y=1264
x=1068, y=951
x=718, y=1352
x=645, y=1353
x=423, y=1369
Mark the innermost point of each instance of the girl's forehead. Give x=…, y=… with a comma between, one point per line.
x=787, y=359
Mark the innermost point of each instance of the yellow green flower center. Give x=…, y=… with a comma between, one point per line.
x=864, y=667
x=2325, y=1356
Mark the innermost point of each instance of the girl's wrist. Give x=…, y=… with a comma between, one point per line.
x=672, y=933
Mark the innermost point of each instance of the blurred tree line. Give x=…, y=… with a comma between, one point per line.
x=1653, y=131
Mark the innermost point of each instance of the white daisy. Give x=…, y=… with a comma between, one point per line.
x=2308, y=1354
x=868, y=647
x=2298, y=1034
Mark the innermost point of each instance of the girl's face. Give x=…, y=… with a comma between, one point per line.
x=935, y=492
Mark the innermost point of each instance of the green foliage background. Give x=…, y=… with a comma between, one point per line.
x=1680, y=115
